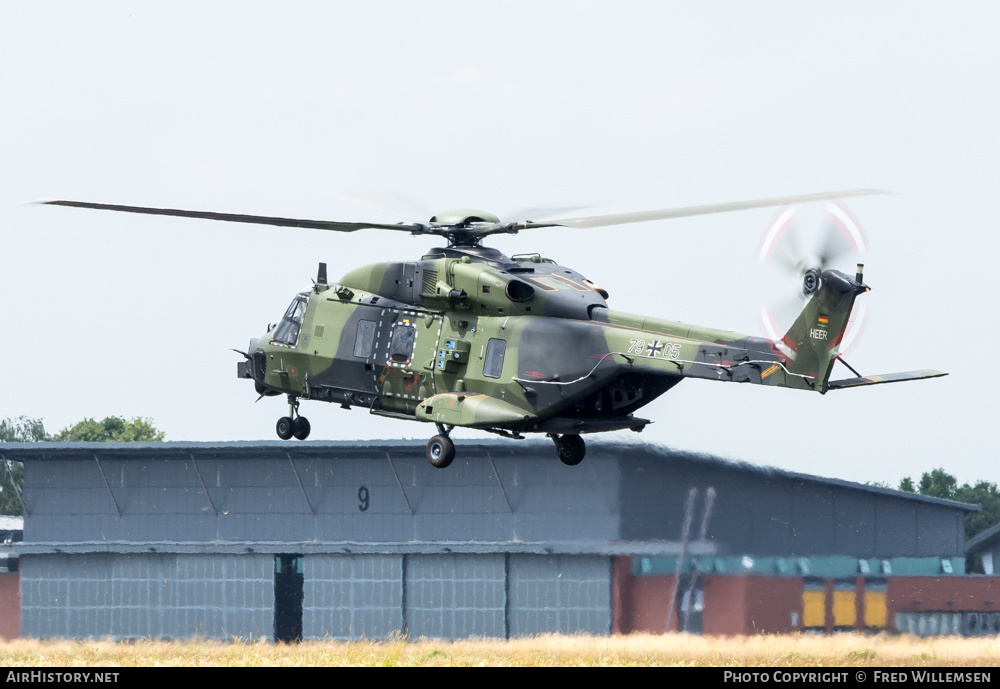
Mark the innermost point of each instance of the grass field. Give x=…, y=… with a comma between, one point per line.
x=672, y=650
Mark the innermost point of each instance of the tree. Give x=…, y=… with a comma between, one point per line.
x=987, y=497
x=940, y=484
x=22, y=430
x=112, y=429
x=878, y=484
x=10, y=503
x=19, y=430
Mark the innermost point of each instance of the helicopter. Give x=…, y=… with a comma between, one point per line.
x=468, y=337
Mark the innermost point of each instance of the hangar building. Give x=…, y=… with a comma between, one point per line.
x=347, y=540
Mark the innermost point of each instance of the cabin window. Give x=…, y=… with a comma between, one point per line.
x=494, y=358
x=365, y=339
x=287, y=331
x=401, y=346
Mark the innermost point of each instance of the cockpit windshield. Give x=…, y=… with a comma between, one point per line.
x=287, y=331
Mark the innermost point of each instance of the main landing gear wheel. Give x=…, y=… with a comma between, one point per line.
x=570, y=448
x=440, y=448
x=440, y=451
x=293, y=424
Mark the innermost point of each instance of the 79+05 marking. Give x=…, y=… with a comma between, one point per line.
x=666, y=350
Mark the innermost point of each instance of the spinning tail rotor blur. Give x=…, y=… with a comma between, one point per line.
x=800, y=250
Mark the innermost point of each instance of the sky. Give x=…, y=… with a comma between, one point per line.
x=314, y=109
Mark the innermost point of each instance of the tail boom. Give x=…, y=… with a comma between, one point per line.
x=803, y=358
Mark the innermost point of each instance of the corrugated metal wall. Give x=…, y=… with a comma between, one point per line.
x=771, y=512
x=450, y=596
x=168, y=595
x=352, y=596
x=511, y=492
x=333, y=494
x=564, y=593
x=455, y=596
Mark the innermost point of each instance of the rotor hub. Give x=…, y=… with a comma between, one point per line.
x=810, y=281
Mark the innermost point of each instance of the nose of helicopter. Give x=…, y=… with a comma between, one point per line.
x=254, y=367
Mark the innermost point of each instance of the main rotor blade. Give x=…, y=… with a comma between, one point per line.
x=667, y=213
x=237, y=217
x=542, y=211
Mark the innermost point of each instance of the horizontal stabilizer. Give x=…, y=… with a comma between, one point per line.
x=884, y=378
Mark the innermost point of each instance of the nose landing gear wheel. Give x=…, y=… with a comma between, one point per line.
x=285, y=427
x=570, y=448
x=440, y=451
x=301, y=428
x=293, y=424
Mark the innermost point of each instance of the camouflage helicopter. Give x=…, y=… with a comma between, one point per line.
x=469, y=337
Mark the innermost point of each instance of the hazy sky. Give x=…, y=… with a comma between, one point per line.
x=294, y=109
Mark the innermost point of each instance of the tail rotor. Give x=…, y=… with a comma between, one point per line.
x=800, y=251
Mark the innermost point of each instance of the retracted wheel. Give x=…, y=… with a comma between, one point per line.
x=285, y=427
x=301, y=428
x=440, y=451
x=570, y=448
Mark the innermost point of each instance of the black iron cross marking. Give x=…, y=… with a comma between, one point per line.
x=654, y=349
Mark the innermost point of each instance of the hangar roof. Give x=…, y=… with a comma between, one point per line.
x=984, y=540
x=263, y=448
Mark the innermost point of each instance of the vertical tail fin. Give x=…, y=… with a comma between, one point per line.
x=813, y=342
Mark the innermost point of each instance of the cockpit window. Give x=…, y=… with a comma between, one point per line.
x=287, y=331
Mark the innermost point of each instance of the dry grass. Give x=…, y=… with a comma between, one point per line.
x=671, y=650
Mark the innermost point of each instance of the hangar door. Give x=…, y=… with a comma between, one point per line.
x=352, y=596
x=559, y=593
x=455, y=595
